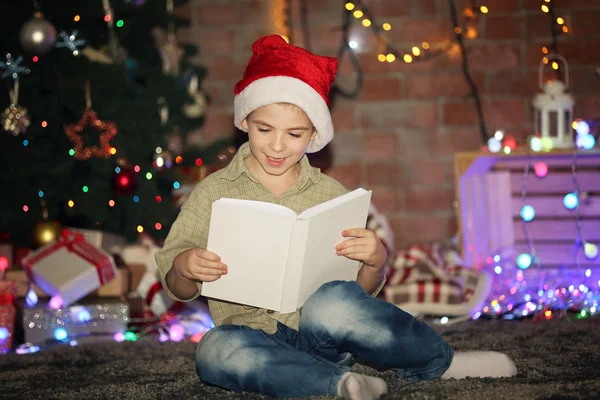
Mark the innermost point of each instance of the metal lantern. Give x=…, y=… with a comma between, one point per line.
x=554, y=108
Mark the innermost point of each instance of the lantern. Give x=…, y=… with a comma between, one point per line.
x=554, y=108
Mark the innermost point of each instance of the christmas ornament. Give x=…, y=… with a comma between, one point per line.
x=198, y=108
x=169, y=50
x=70, y=42
x=12, y=68
x=15, y=119
x=125, y=181
x=46, y=232
x=37, y=36
x=554, y=107
x=89, y=117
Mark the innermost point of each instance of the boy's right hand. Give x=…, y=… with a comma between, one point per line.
x=199, y=265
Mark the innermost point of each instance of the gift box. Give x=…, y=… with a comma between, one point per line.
x=109, y=242
x=88, y=322
x=153, y=295
x=70, y=268
x=8, y=312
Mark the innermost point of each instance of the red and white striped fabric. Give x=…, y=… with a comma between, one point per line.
x=433, y=281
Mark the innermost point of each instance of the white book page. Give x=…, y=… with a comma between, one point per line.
x=259, y=205
x=319, y=208
x=293, y=274
x=254, y=245
x=321, y=263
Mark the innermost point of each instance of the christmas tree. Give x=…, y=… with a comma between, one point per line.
x=109, y=96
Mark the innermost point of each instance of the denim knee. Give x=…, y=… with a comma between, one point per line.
x=223, y=353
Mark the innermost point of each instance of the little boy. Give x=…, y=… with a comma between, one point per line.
x=282, y=103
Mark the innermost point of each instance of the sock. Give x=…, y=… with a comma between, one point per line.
x=353, y=386
x=480, y=364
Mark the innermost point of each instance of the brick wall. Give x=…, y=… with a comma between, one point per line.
x=398, y=138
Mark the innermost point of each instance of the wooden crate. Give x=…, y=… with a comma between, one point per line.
x=488, y=194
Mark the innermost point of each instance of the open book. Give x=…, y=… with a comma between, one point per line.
x=275, y=258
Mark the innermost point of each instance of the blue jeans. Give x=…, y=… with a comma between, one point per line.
x=339, y=325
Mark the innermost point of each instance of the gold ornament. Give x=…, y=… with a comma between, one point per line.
x=15, y=119
x=46, y=232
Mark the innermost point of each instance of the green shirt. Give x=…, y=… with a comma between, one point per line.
x=235, y=181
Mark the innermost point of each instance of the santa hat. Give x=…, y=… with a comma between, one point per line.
x=281, y=73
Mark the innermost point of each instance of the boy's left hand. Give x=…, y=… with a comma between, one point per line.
x=365, y=246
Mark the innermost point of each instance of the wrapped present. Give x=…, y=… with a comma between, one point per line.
x=141, y=253
x=70, y=268
x=153, y=295
x=8, y=312
x=109, y=242
x=433, y=281
x=89, y=322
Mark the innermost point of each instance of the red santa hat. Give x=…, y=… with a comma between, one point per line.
x=281, y=73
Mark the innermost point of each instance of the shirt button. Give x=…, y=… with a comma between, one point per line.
x=270, y=311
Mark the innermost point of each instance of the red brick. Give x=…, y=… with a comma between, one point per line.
x=417, y=30
x=498, y=6
x=214, y=14
x=513, y=83
x=460, y=113
x=493, y=56
x=417, y=230
x=430, y=171
x=426, y=7
x=344, y=119
x=347, y=148
x=501, y=113
x=583, y=23
x=503, y=27
x=348, y=175
x=581, y=51
x=185, y=35
x=428, y=198
x=450, y=141
x=216, y=41
x=371, y=65
x=220, y=92
x=413, y=144
x=562, y=5
x=587, y=107
x=538, y=26
x=223, y=68
x=383, y=173
x=323, y=9
x=382, y=9
x=380, y=89
x=585, y=81
x=443, y=84
x=386, y=199
x=380, y=146
x=399, y=114
x=217, y=125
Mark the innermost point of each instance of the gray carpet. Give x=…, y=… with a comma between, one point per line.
x=557, y=359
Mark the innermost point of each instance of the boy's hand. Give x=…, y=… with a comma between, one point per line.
x=365, y=247
x=199, y=265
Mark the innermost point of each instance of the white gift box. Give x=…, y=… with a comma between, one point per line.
x=70, y=268
x=109, y=242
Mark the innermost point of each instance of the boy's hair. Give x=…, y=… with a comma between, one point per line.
x=281, y=73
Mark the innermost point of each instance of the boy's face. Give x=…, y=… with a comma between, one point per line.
x=278, y=135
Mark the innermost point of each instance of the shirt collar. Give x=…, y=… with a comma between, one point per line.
x=236, y=167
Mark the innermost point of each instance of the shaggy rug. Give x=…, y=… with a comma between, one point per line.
x=557, y=359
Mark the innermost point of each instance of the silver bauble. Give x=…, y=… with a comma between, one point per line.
x=37, y=36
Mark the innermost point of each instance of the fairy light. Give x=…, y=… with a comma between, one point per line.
x=76, y=18
x=44, y=124
x=484, y=9
x=366, y=23
x=71, y=203
x=140, y=228
x=358, y=14
x=390, y=58
x=416, y=51
x=350, y=6
x=545, y=8
x=381, y=57
x=408, y=58
x=111, y=203
x=386, y=26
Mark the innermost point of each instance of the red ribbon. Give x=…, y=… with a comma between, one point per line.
x=155, y=288
x=75, y=243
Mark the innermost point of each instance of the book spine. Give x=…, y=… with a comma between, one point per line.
x=295, y=263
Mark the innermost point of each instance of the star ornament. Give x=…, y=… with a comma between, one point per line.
x=70, y=42
x=108, y=131
x=12, y=68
